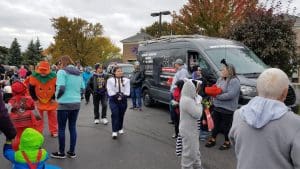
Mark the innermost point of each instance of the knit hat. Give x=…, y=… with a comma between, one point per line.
x=31, y=139
x=43, y=67
x=97, y=65
x=18, y=88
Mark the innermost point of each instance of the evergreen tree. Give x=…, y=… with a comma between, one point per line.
x=33, y=53
x=39, y=50
x=3, y=54
x=30, y=54
x=14, y=54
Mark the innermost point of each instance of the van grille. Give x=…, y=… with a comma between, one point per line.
x=291, y=97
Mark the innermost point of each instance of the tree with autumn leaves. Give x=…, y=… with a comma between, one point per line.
x=210, y=17
x=262, y=26
x=81, y=40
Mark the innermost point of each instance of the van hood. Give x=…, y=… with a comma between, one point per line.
x=247, y=81
x=260, y=111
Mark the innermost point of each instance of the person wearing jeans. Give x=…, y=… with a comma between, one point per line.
x=69, y=86
x=71, y=117
x=118, y=89
x=136, y=82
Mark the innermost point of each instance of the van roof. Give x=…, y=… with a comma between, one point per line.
x=201, y=41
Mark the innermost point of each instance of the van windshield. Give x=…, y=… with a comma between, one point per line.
x=244, y=60
x=127, y=69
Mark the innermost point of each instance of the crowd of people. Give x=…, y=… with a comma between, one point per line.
x=265, y=132
x=58, y=90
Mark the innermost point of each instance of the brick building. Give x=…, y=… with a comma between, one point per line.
x=130, y=46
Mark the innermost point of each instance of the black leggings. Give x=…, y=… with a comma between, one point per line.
x=222, y=122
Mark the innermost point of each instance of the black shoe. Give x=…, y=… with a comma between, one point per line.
x=132, y=107
x=170, y=122
x=58, y=155
x=71, y=155
x=211, y=142
x=225, y=146
x=174, y=136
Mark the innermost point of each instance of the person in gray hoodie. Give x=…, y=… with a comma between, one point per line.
x=190, y=112
x=265, y=132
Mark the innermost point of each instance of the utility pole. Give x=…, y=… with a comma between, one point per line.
x=159, y=23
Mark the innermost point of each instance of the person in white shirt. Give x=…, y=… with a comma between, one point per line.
x=118, y=89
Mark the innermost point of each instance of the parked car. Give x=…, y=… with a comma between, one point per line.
x=126, y=68
x=156, y=58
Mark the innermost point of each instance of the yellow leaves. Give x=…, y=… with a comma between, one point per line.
x=81, y=40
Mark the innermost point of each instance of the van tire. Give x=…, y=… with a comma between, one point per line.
x=147, y=99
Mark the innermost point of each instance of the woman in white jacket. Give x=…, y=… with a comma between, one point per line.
x=190, y=112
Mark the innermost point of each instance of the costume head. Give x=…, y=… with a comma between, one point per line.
x=18, y=88
x=43, y=68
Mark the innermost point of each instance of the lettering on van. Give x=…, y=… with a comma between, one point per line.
x=149, y=54
x=226, y=46
x=148, y=60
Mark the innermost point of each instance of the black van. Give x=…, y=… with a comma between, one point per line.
x=157, y=56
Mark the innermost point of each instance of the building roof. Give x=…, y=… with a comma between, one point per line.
x=137, y=38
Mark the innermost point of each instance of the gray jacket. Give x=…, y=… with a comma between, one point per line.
x=229, y=98
x=266, y=135
x=179, y=75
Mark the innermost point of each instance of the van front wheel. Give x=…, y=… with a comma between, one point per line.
x=147, y=100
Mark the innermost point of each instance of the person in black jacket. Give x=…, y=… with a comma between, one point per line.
x=6, y=125
x=2, y=72
x=136, y=82
x=97, y=86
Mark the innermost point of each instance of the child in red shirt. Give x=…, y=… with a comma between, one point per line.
x=175, y=103
x=22, y=111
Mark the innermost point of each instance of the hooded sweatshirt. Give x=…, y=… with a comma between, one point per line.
x=69, y=85
x=266, y=135
x=31, y=141
x=190, y=111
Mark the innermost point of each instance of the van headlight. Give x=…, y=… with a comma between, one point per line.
x=248, y=90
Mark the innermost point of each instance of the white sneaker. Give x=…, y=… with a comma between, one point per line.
x=114, y=135
x=96, y=121
x=104, y=121
x=121, y=131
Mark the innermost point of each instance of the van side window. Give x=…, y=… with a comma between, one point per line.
x=194, y=58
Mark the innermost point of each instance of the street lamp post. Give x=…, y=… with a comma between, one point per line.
x=160, y=14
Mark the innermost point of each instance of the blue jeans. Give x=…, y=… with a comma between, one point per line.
x=62, y=117
x=117, y=114
x=136, y=95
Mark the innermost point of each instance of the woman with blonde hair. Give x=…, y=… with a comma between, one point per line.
x=68, y=87
x=225, y=104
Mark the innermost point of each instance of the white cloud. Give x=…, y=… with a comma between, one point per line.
x=27, y=19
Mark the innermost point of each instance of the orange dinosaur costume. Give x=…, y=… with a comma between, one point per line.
x=42, y=89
